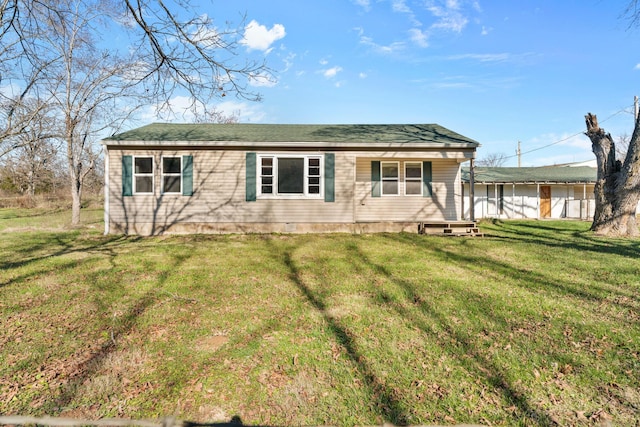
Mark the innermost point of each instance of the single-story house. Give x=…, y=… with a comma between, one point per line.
x=220, y=178
x=564, y=191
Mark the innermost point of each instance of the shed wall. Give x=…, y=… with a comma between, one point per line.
x=520, y=201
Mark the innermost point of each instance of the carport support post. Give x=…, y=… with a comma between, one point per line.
x=472, y=205
x=538, y=202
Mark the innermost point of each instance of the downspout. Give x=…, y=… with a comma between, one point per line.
x=106, y=192
x=462, y=215
x=472, y=206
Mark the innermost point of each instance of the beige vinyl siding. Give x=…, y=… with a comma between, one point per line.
x=443, y=205
x=219, y=179
x=219, y=194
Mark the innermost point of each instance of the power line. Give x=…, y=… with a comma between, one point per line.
x=624, y=110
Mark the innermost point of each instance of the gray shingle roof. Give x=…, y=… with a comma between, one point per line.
x=543, y=174
x=166, y=133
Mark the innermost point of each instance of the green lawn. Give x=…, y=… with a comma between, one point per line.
x=538, y=323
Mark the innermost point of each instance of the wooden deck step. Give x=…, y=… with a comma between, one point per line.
x=451, y=228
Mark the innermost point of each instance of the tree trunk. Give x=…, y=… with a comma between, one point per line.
x=76, y=198
x=617, y=188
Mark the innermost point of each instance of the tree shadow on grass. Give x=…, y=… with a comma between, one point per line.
x=475, y=260
x=558, y=235
x=84, y=365
x=54, y=247
x=387, y=406
x=466, y=351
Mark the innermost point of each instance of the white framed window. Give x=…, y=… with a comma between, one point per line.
x=413, y=178
x=390, y=178
x=290, y=176
x=142, y=175
x=171, y=174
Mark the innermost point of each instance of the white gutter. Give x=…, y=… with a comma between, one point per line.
x=369, y=146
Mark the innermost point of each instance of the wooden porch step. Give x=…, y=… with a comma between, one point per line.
x=451, y=228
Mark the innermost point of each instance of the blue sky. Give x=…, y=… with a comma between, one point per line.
x=495, y=71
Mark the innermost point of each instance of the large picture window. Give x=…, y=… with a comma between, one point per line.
x=143, y=175
x=290, y=175
x=172, y=174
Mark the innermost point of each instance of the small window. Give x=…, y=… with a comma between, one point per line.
x=266, y=175
x=413, y=179
x=143, y=175
x=313, y=176
x=172, y=174
x=390, y=178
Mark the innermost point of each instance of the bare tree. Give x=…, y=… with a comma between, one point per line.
x=632, y=12
x=617, y=188
x=32, y=161
x=492, y=160
x=216, y=116
x=85, y=85
x=622, y=145
x=95, y=91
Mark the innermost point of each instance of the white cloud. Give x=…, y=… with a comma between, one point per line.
x=331, y=72
x=482, y=57
x=637, y=67
x=258, y=37
x=262, y=80
x=576, y=140
x=181, y=109
x=453, y=22
x=386, y=50
x=400, y=6
x=362, y=75
x=449, y=15
x=419, y=37
x=453, y=4
x=288, y=61
x=504, y=57
x=10, y=90
x=365, y=4
x=204, y=33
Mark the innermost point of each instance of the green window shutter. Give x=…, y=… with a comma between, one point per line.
x=330, y=177
x=375, y=179
x=187, y=175
x=251, y=177
x=427, y=177
x=127, y=175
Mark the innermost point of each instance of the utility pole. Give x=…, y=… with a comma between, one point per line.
x=635, y=109
x=519, y=153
